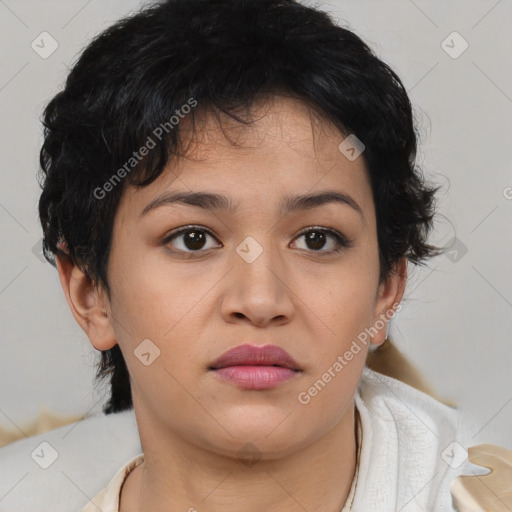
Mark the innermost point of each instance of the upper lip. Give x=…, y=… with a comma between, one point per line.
x=266, y=355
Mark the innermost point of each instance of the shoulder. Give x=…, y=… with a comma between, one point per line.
x=61, y=469
x=413, y=446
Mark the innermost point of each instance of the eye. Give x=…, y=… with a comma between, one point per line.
x=317, y=238
x=190, y=238
x=194, y=239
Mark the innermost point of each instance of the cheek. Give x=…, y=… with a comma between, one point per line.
x=345, y=304
x=342, y=344
x=347, y=298
x=341, y=347
x=162, y=307
x=151, y=297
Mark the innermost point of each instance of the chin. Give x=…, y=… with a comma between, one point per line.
x=270, y=439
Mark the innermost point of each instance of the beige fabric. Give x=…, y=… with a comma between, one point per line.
x=44, y=422
x=491, y=492
x=107, y=500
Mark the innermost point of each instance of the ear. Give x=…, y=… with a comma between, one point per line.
x=389, y=296
x=85, y=303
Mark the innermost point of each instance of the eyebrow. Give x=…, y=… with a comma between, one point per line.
x=289, y=204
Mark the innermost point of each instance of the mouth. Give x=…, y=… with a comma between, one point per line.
x=256, y=367
x=253, y=355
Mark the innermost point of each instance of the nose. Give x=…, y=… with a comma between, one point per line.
x=260, y=291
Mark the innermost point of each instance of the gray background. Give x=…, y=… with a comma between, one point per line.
x=457, y=317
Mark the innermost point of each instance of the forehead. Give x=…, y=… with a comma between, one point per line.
x=275, y=124
x=287, y=149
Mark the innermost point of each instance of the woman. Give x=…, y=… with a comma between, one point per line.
x=230, y=191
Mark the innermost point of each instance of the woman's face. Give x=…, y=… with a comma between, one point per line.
x=262, y=273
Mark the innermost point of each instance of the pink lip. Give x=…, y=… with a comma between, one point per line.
x=256, y=367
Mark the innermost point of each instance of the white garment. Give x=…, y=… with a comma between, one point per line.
x=406, y=437
x=413, y=448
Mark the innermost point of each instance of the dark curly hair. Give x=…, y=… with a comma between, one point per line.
x=223, y=54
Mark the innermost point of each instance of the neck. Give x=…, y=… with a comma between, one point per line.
x=182, y=477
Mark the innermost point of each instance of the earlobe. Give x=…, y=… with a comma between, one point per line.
x=84, y=302
x=390, y=295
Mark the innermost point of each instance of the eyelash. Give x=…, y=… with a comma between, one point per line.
x=342, y=242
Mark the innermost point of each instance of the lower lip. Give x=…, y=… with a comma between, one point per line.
x=256, y=377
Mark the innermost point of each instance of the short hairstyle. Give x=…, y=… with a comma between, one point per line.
x=133, y=81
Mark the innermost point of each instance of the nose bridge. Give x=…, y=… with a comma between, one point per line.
x=257, y=288
x=258, y=261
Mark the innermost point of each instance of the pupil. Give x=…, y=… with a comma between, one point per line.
x=194, y=239
x=316, y=238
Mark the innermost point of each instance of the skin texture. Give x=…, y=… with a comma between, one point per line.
x=193, y=424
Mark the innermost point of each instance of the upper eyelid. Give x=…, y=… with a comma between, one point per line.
x=184, y=229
